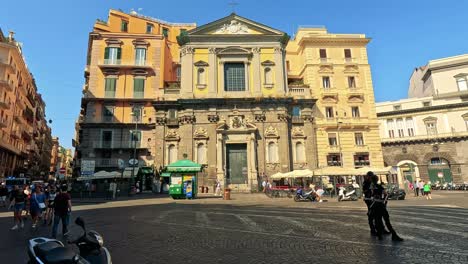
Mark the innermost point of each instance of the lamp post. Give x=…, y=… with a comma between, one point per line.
x=136, y=116
x=339, y=144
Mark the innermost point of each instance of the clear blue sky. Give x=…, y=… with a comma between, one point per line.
x=404, y=33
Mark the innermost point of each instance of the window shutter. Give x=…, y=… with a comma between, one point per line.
x=119, y=53
x=347, y=53
x=323, y=53
x=106, y=53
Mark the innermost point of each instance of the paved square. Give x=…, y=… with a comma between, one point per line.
x=256, y=229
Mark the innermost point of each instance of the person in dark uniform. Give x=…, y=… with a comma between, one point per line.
x=378, y=209
x=368, y=200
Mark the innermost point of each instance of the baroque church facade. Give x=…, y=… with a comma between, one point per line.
x=234, y=112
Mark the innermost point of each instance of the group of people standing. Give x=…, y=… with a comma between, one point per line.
x=50, y=203
x=375, y=198
x=424, y=188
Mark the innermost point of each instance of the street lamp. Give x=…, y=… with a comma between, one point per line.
x=136, y=115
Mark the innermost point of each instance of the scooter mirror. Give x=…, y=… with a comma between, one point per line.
x=79, y=221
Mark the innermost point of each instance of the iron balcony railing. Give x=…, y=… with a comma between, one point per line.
x=126, y=144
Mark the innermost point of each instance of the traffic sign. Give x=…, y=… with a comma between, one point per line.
x=133, y=162
x=440, y=174
x=62, y=171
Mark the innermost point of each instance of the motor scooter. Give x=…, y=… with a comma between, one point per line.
x=301, y=196
x=43, y=250
x=347, y=195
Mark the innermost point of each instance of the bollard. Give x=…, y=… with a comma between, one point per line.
x=227, y=194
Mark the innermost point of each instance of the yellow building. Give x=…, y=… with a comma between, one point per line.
x=23, y=129
x=335, y=68
x=132, y=59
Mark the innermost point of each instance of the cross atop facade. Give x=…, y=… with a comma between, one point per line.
x=233, y=5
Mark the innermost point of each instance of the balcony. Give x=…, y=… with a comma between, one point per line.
x=138, y=95
x=325, y=61
x=334, y=163
x=434, y=137
x=361, y=163
x=18, y=119
x=8, y=66
x=172, y=87
x=26, y=134
x=126, y=144
x=297, y=120
x=106, y=162
x=109, y=94
x=15, y=133
x=7, y=84
x=4, y=105
x=124, y=64
x=299, y=90
x=350, y=60
x=172, y=122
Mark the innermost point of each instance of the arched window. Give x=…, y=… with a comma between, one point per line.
x=272, y=152
x=201, y=153
x=268, y=76
x=300, y=152
x=201, y=76
x=172, y=154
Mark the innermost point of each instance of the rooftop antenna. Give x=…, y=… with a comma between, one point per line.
x=233, y=5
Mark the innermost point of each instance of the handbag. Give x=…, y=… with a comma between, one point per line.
x=41, y=205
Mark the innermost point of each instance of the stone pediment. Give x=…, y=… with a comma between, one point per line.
x=351, y=69
x=330, y=98
x=355, y=99
x=172, y=134
x=234, y=25
x=201, y=63
x=326, y=69
x=235, y=122
x=298, y=132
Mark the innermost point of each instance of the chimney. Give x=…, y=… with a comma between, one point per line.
x=10, y=35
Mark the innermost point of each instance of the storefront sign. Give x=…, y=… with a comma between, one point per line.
x=87, y=167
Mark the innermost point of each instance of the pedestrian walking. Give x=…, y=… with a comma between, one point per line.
x=421, y=187
x=218, y=188
x=3, y=194
x=368, y=200
x=50, y=196
x=113, y=189
x=264, y=185
x=38, y=205
x=62, y=210
x=18, y=200
x=427, y=191
x=379, y=211
x=416, y=188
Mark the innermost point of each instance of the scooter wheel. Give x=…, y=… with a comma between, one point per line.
x=296, y=199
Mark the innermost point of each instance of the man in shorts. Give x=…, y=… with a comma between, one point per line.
x=427, y=191
x=18, y=200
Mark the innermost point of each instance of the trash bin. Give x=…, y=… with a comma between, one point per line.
x=227, y=194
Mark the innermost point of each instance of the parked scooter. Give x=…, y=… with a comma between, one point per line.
x=347, y=194
x=43, y=250
x=301, y=196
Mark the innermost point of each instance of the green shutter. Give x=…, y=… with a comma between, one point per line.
x=119, y=53
x=106, y=53
x=138, y=88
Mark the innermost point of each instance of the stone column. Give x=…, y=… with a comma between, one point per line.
x=219, y=157
x=253, y=163
x=279, y=72
x=257, y=80
x=212, y=74
x=186, y=84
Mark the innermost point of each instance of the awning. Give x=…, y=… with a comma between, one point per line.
x=336, y=171
x=128, y=172
x=100, y=175
x=166, y=174
x=293, y=174
x=184, y=166
x=375, y=170
x=145, y=170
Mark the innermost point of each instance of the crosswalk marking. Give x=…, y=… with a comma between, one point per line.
x=252, y=225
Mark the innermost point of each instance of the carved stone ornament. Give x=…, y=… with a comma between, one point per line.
x=237, y=122
x=283, y=117
x=278, y=50
x=212, y=50
x=260, y=118
x=200, y=133
x=172, y=134
x=187, y=119
x=160, y=120
x=235, y=27
x=186, y=50
x=297, y=132
x=271, y=132
x=213, y=118
x=256, y=50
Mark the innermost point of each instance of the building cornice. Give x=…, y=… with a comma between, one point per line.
x=422, y=109
x=432, y=139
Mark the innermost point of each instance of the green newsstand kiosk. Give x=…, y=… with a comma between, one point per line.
x=183, y=179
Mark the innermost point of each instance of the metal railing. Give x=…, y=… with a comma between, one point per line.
x=119, y=62
x=350, y=60
x=125, y=144
x=109, y=94
x=139, y=94
x=423, y=137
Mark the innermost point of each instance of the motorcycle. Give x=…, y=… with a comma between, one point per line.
x=347, y=194
x=395, y=193
x=301, y=196
x=43, y=250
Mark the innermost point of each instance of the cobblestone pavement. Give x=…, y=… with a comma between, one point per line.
x=253, y=229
